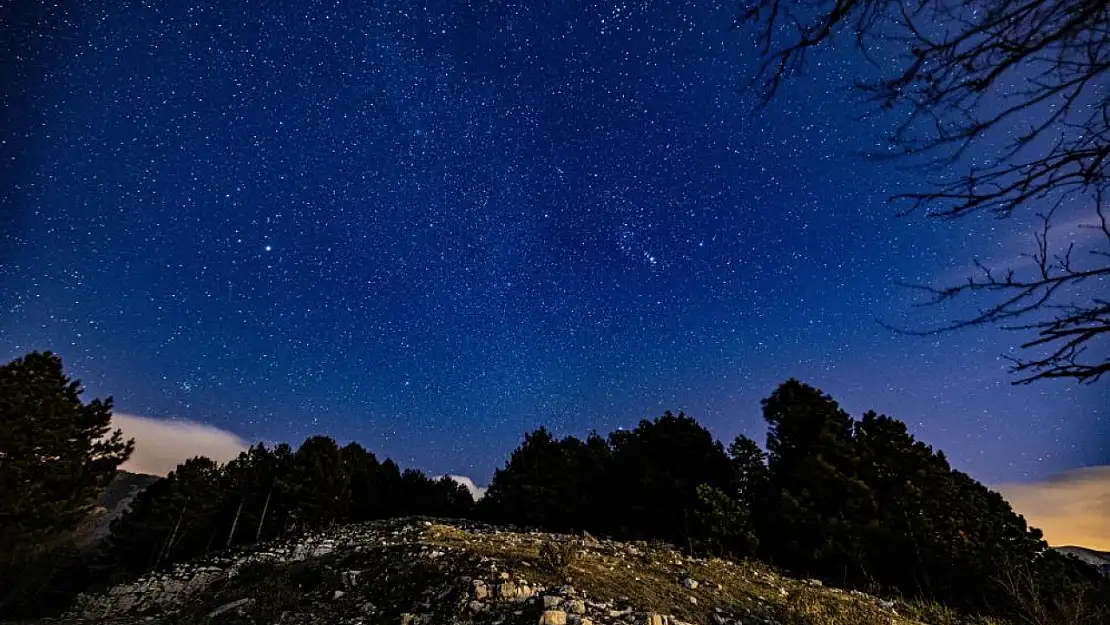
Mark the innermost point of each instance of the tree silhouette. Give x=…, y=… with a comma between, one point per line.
x=656, y=471
x=1005, y=102
x=422, y=495
x=367, y=494
x=861, y=503
x=722, y=524
x=550, y=483
x=174, y=519
x=278, y=505
x=864, y=504
x=247, y=488
x=749, y=465
x=319, y=485
x=819, y=503
x=57, y=454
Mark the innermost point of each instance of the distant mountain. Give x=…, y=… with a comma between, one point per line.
x=1099, y=559
x=113, y=502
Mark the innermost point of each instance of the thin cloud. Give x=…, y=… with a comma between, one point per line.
x=160, y=444
x=1072, y=508
x=477, y=492
x=1013, y=251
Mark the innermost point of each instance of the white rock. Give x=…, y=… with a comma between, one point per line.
x=690, y=583
x=229, y=606
x=553, y=617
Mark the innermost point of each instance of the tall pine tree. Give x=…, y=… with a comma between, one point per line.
x=174, y=519
x=656, y=471
x=817, y=503
x=57, y=454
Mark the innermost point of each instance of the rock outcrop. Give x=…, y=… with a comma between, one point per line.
x=425, y=572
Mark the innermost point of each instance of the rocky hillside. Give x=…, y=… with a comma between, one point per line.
x=423, y=572
x=1098, y=559
x=112, y=503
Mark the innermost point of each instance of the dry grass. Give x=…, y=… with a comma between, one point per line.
x=556, y=557
x=651, y=578
x=936, y=614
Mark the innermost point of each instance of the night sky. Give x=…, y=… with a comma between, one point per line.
x=431, y=227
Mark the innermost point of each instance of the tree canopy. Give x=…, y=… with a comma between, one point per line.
x=856, y=502
x=57, y=453
x=859, y=503
x=266, y=493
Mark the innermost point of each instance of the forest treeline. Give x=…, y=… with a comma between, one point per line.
x=858, y=503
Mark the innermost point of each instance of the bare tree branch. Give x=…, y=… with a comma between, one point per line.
x=1007, y=103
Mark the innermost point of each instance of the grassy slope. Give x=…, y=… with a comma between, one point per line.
x=429, y=568
x=651, y=577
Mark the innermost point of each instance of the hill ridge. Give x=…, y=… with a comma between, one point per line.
x=420, y=571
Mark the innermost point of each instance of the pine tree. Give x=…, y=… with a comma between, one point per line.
x=393, y=499
x=276, y=515
x=423, y=496
x=529, y=490
x=57, y=454
x=246, y=484
x=722, y=524
x=656, y=470
x=749, y=466
x=174, y=519
x=367, y=493
x=319, y=485
x=863, y=503
x=450, y=500
x=812, y=520
x=549, y=483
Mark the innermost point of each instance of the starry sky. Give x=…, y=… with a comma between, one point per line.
x=432, y=226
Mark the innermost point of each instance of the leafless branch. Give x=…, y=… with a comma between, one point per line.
x=1007, y=103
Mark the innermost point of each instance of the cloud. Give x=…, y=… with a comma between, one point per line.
x=160, y=444
x=1012, y=249
x=1072, y=508
x=477, y=492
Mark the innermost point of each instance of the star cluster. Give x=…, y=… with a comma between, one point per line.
x=432, y=226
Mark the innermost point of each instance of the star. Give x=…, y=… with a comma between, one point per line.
x=490, y=220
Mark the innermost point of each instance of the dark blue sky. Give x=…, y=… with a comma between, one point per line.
x=431, y=227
